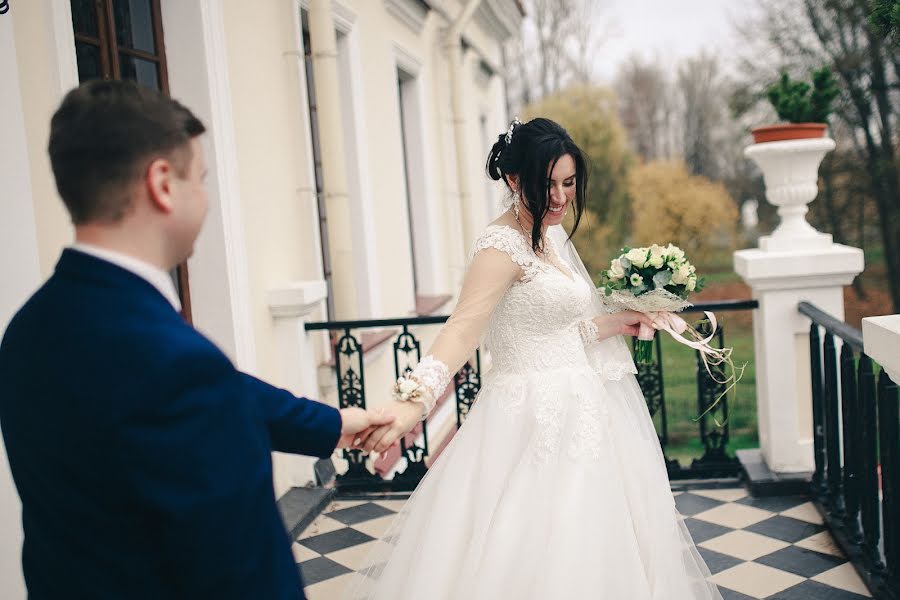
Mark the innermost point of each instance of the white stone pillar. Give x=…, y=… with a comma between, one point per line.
x=20, y=274
x=291, y=307
x=881, y=338
x=326, y=80
x=796, y=263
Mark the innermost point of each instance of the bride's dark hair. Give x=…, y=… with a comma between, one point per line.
x=532, y=153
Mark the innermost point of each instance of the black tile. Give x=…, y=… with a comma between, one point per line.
x=785, y=529
x=702, y=531
x=690, y=504
x=319, y=569
x=733, y=595
x=800, y=561
x=716, y=561
x=774, y=503
x=813, y=589
x=360, y=513
x=335, y=540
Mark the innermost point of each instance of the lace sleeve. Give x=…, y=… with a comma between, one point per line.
x=495, y=265
x=589, y=331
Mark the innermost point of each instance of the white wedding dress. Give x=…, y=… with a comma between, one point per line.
x=555, y=486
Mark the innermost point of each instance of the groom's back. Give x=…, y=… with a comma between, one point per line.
x=81, y=363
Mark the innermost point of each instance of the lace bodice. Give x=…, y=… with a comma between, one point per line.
x=529, y=309
x=535, y=326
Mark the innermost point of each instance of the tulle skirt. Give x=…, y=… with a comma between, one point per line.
x=555, y=487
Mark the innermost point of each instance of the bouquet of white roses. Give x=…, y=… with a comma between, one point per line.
x=657, y=281
x=650, y=280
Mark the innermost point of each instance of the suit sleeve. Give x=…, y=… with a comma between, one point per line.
x=295, y=425
x=197, y=471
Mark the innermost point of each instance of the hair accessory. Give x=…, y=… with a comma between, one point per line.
x=512, y=126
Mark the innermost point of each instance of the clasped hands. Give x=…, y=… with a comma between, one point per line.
x=377, y=431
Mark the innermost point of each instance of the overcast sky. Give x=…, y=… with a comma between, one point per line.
x=670, y=29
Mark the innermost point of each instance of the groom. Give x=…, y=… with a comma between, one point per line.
x=141, y=455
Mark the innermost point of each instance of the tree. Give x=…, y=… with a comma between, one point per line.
x=647, y=108
x=885, y=18
x=590, y=115
x=846, y=36
x=558, y=43
x=672, y=206
x=703, y=109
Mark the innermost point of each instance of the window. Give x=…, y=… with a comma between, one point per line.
x=123, y=39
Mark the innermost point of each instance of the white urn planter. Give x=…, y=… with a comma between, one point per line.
x=791, y=171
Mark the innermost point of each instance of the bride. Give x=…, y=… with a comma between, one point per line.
x=555, y=487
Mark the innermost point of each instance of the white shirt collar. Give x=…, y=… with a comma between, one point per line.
x=155, y=276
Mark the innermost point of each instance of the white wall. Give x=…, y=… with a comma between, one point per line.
x=20, y=273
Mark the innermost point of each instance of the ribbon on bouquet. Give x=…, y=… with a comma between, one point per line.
x=676, y=327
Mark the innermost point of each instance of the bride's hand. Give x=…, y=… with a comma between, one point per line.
x=631, y=322
x=627, y=322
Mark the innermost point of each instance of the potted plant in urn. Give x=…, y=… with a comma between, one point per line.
x=804, y=107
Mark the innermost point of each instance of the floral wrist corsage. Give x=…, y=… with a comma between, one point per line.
x=408, y=389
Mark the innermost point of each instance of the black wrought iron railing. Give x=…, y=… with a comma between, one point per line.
x=712, y=409
x=856, y=434
x=712, y=427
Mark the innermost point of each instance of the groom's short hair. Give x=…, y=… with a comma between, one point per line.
x=102, y=138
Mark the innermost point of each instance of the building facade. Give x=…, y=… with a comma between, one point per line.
x=346, y=142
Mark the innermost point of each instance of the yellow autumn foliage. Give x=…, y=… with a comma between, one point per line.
x=669, y=205
x=591, y=116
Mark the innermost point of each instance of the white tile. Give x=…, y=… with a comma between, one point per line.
x=394, y=505
x=755, y=580
x=821, y=542
x=844, y=577
x=377, y=528
x=361, y=556
x=805, y=512
x=726, y=495
x=736, y=516
x=330, y=589
x=302, y=553
x=321, y=525
x=342, y=504
x=745, y=545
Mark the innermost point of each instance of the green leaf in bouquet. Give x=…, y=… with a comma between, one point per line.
x=662, y=279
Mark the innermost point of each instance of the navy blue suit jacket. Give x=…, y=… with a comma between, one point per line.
x=141, y=455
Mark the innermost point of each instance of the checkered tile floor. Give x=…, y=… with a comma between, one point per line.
x=772, y=548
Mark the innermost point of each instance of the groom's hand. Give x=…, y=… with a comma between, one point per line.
x=405, y=416
x=356, y=422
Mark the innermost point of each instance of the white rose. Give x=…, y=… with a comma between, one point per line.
x=675, y=253
x=636, y=279
x=691, y=283
x=407, y=386
x=616, y=270
x=637, y=256
x=681, y=275
x=657, y=256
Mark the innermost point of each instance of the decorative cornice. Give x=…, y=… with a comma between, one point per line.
x=500, y=18
x=411, y=12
